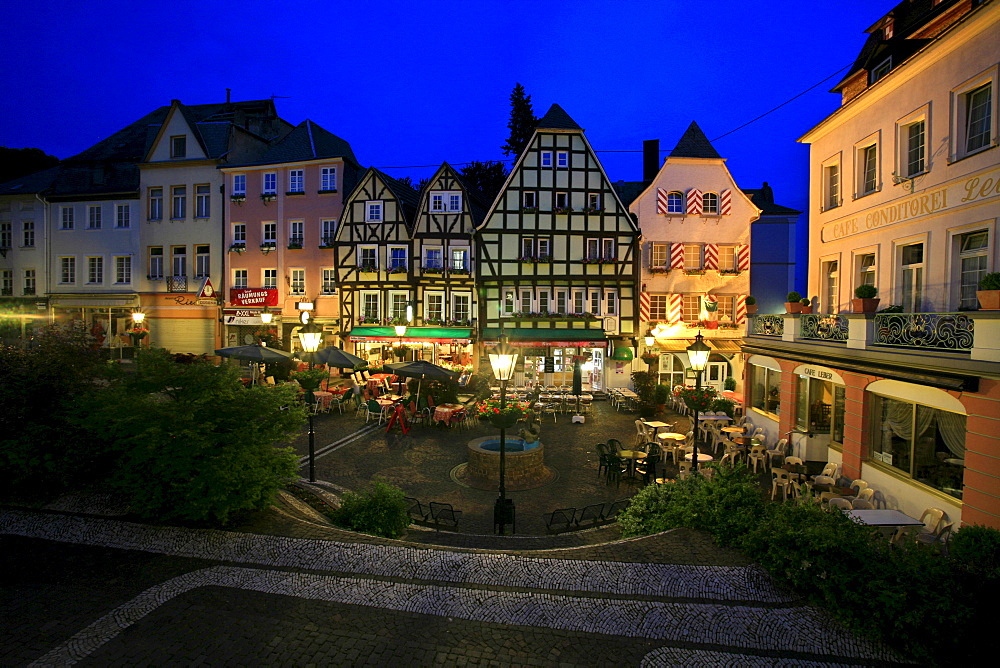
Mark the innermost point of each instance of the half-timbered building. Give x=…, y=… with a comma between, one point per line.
x=557, y=259
x=374, y=263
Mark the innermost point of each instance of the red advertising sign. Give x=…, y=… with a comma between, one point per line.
x=253, y=296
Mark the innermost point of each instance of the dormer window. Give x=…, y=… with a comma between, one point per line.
x=178, y=146
x=879, y=71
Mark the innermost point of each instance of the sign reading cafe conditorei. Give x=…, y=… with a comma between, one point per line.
x=973, y=189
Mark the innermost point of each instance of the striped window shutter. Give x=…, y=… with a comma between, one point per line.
x=676, y=256
x=673, y=308
x=743, y=257
x=726, y=202
x=741, y=309
x=694, y=202
x=661, y=200
x=711, y=256
x=644, y=305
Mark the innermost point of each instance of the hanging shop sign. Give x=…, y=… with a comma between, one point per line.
x=207, y=295
x=241, y=316
x=253, y=296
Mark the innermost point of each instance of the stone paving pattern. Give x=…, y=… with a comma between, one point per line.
x=81, y=585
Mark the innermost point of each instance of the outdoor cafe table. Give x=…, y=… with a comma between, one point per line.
x=702, y=457
x=323, y=398
x=883, y=517
x=655, y=424
x=375, y=380
x=631, y=456
x=733, y=430
x=443, y=412
x=671, y=435
x=714, y=417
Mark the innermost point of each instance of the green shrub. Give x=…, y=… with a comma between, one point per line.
x=865, y=291
x=990, y=281
x=380, y=510
x=729, y=384
x=727, y=406
x=751, y=300
x=976, y=549
x=793, y=297
x=660, y=394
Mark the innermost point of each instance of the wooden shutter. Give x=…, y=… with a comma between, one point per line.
x=661, y=201
x=741, y=309
x=694, y=203
x=674, y=308
x=676, y=256
x=711, y=256
x=743, y=257
x=726, y=202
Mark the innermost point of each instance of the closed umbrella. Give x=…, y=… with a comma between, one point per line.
x=577, y=383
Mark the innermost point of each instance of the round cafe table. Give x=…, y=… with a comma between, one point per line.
x=702, y=458
x=733, y=430
x=671, y=436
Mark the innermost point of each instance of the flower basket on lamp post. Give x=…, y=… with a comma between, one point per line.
x=697, y=399
x=651, y=359
x=502, y=418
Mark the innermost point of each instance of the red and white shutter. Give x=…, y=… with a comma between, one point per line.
x=711, y=256
x=694, y=202
x=726, y=202
x=676, y=256
x=741, y=309
x=674, y=308
x=743, y=257
x=661, y=200
x=644, y=305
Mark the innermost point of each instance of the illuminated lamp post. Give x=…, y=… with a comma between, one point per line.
x=503, y=358
x=698, y=354
x=309, y=336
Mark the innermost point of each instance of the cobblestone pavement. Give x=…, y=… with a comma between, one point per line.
x=80, y=584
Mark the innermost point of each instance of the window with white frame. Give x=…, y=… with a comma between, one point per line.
x=95, y=270
x=297, y=281
x=562, y=159
x=460, y=307
x=156, y=203
x=879, y=70
x=594, y=201
x=544, y=301
x=434, y=308
x=6, y=282
x=691, y=308
x=269, y=233
x=727, y=258
x=296, y=181
x=765, y=388
x=123, y=216
x=369, y=306
x=692, y=256
x=123, y=269
x=397, y=257
x=562, y=200
x=973, y=249
x=29, y=282
x=270, y=277
x=867, y=161
x=328, y=178
x=675, y=202
x=270, y=181
x=508, y=301
x=368, y=258
x=865, y=273
x=66, y=218
x=710, y=203
x=373, y=211
x=831, y=184
x=913, y=148
x=659, y=255
x=610, y=302
x=978, y=118
x=539, y=248
x=595, y=302
x=433, y=257
x=974, y=115
x=911, y=268
x=240, y=278
x=579, y=301
x=454, y=202
x=155, y=267
x=328, y=231
x=67, y=270
x=202, y=201
x=6, y=235
x=830, y=300
x=546, y=158
x=239, y=234
x=329, y=281
x=28, y=233
x=459, y=259
x=446, y=201
x=296, y=232
x=178, y=207
x=202, y=261
x=178, y=261
x=562, y=301
x=529, y=199
x=397, y=304
x=726, y=311
x=657, y=307
x=600, y=249
x=239, y=184
x=94, y=217
x=526, y=301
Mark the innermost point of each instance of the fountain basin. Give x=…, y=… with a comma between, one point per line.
x=525, y=463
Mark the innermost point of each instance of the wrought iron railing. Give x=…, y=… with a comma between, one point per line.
x=768, y=325
x=177, y=283
x=829, y=327
x=939, y=331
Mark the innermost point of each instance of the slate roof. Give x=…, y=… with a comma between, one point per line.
x=477, y=205
x=557, y=119
x=763, y=199
x=628, y=191
x=30, y=183
x=694, y=144
x=407, y=196
x=309, y=141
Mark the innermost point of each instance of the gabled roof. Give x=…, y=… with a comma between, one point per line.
x=30, y=183
x=694, y=144
x=628, y=191
x=557, y=119
x=309, y=141
x=763, y=199
x=409, y=199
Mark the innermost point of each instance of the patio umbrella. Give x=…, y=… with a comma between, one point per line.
x=335, y=357
x=577, y=383
x=421, y=369
x=254, y=353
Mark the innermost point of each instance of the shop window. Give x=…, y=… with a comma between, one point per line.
x=765, y=389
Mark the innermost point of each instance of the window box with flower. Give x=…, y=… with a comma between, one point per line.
x=529, y=209
x=459, y=272
x=591, y=210
x=433, y=321
x=268, y=197
x=461, y=322
x=238, y=199
x=730, y=272
x=368, y=320
x=694, y=272
x=433, y=270
x=237, y=247
x=326, y=242
x=562, y=210
x=368, y=268
x=659, y=270
x=268, y=246
x=397, y=269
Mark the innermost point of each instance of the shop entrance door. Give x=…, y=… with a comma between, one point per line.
x=715, y=375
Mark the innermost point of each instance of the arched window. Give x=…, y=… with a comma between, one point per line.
x=675, y=202
x=710, y=203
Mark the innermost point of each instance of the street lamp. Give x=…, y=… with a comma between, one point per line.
x=400, y=332
x=503, y=357
x=266, y=317
x=309, y=337
x=698, y=354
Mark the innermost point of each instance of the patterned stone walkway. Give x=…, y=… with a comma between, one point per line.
x=477, y=606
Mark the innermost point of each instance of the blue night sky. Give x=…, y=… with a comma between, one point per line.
x=412, y=84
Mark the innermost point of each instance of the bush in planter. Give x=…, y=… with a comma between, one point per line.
x=729, y=384
x=751, y=300
x=660, y=394
x=865, y=292
x=793, y=297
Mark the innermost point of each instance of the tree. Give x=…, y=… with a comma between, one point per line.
x=18, y=162
x=486, y=177
x=522, y=122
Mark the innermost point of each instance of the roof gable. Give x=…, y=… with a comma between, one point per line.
x=557, y=119
x=309, y=141
x=694, y=144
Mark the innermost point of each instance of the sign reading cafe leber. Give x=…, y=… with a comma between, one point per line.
x=253, y=296
x=971, y=190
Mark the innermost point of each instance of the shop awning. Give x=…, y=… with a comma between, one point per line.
x=94, y=301
x=375, y=334
x=673, y=345
x=726, y=345
x=556, y=337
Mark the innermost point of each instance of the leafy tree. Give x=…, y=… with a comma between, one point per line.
x=522, y=122
x=18, y=162
x=486, y=177
x=193, y=444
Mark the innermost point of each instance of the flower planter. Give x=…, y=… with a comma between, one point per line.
x=864, y=305
x=793, y=307
x=989, y=300
x=504, y=420
x=751, y=309
x=805, y=310
x=711, y=324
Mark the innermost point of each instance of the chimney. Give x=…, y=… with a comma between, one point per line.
x=650, y=159
x=229, y=92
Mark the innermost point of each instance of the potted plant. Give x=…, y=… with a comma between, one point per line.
x=806, y=306
x=865, y=300
x=751, y=303
x=660, y=394
x=643, y=383
x=712, y=309
x=651, y=358
x=989, y=292
x=793, y=302
x=729, y=384
x=400, y=351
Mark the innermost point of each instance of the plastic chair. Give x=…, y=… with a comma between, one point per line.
x=841, y=503
x=933, y=519
x=779, y=450
x=758, y=455
x=858, y=504
x=780, y=479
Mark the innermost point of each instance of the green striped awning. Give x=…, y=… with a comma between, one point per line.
x=529, y=337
